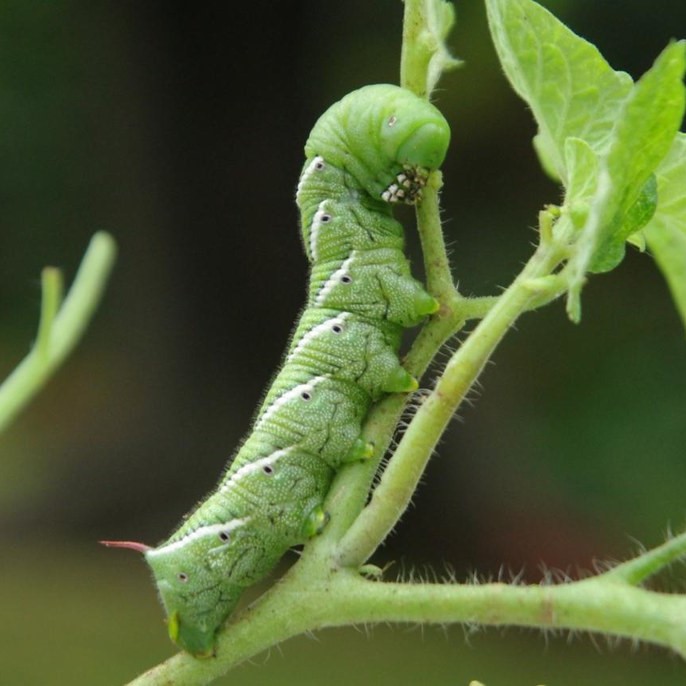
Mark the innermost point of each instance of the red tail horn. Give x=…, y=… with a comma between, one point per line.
x=131, y=545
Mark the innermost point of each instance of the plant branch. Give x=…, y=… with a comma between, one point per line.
x=413, y=57
x=304, y=601
x=60, y=328
x=400, y=479
x=649, y=563
x=424, y=56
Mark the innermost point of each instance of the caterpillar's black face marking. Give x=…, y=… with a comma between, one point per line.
x=407, y=187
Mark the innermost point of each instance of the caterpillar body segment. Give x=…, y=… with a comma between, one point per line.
x=376, y=284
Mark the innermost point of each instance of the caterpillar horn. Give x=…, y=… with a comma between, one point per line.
x=131, y=545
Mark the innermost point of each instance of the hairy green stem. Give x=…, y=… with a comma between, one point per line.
x=60, y=328
x=399, y=481
x=425, y=56
x=650, y=562
x=413, y=56
x=589, y=605
x=439, y=280
x=302, y=602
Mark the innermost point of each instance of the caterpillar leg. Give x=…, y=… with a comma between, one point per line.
x=371, y=572
x=315, y=522
x=426, y=304
x=360, y=452
x=400, y=381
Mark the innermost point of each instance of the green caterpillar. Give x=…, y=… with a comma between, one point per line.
x=373, y=148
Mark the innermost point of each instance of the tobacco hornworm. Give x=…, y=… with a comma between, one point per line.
x=373, y=148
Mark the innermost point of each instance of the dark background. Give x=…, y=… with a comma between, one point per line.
x=179, y=128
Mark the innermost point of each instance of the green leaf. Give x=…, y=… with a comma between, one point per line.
x=582, y=183
x=600, y=135
x=642, y=211
x=645, y=127
x=611, y=252
x=546, y=158
x=570, y=88
x=666, y=231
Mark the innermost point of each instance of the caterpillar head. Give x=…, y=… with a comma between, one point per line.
x=386, y=137
x=200, y=578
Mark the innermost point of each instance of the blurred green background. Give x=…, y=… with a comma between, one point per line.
x=179, y=128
